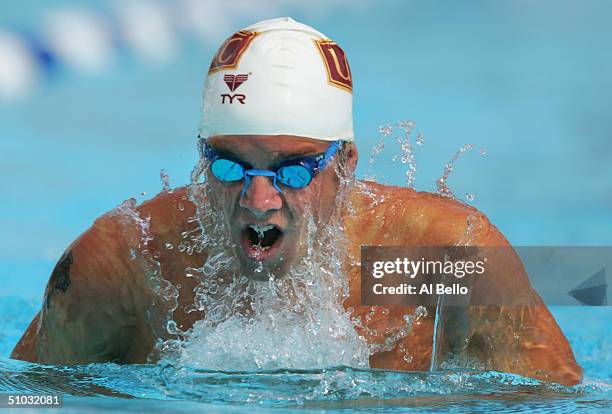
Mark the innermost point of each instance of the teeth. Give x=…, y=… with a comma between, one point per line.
x=261, y=229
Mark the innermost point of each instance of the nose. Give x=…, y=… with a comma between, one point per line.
x=261, y=197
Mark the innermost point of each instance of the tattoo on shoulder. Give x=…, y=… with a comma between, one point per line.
x=60, y=277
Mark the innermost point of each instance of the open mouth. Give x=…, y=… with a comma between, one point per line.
x=261, y=241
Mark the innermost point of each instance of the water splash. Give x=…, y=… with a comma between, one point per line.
x=407, y=153
x=443, y=188
x=460, y=358
x=384, y=131
x=293, y=321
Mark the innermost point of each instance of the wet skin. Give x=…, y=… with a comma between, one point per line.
x=104, y=312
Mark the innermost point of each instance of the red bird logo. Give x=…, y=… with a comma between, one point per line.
x=234, y=81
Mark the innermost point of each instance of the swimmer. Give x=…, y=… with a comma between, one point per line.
x=277, y=143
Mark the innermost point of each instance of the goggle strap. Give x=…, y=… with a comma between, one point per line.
x=328, y=155
x=202, y=147
x=208, y=151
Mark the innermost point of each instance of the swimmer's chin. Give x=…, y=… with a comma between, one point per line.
x=264, y=264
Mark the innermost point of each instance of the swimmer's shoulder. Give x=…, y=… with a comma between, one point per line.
x=168, y=211
x=164, y=217
x=93, y=304
x=157, y=232
x=97, y=300
x=122, y=232
x=420, y=217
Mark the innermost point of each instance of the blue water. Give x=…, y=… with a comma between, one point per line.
x=156, y=388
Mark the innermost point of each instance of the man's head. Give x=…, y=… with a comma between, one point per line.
x=277, y=124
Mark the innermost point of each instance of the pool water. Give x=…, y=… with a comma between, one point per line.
x=167, y=388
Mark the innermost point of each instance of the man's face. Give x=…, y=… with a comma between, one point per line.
x=267, y=226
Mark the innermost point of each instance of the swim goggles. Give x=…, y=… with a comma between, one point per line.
x=293, y=173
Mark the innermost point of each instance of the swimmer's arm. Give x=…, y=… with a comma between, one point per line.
x=93, y=308
x=516, y=332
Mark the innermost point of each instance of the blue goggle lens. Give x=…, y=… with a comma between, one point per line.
x=226, y=170
x=294, y=176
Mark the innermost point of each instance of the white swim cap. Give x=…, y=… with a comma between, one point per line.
x=279, y=77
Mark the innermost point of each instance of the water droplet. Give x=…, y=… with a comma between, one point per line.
x=385, y=130
x=165, y=179
x=419, y=139
x=406, y=125
x=143, y=193
x=169, y=246
x=469, y=196
x=407, y=358
x=420, y=311
x=482, y=151
x=171, y=327
x=181, y=206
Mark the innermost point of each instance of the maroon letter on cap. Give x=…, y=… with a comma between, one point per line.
x=338, y=70
x=231, y=50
